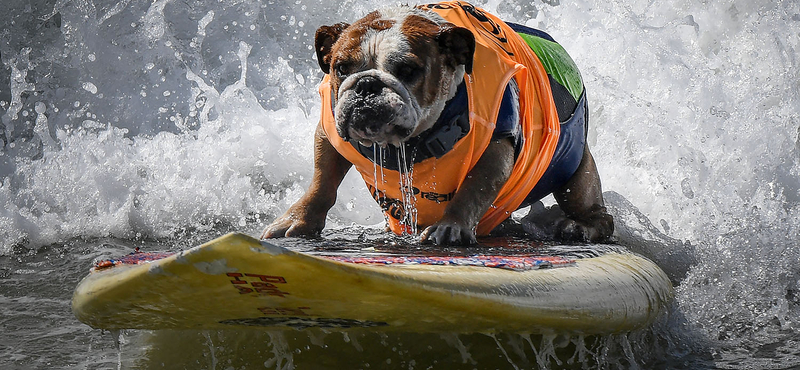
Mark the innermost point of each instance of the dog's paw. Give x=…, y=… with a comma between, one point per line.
x=291, y=226
x=595, y=229
x=275, y=230
x=571, y=230
x=448, y=233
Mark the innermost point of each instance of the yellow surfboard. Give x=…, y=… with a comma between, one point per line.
x=237, y=280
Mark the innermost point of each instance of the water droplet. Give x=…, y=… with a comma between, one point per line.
x=90, y=87
x=686, y=189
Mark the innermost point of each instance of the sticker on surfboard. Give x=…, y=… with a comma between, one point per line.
x=516, y=263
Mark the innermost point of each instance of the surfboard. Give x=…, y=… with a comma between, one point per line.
x=239, y=281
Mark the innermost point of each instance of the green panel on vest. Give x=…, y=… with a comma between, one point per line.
x=557, y=63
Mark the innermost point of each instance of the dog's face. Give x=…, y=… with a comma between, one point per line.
x=392, y=71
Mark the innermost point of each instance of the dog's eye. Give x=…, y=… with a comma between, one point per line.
x=342, y=70
x=408, y=72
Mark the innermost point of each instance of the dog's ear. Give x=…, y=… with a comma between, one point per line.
x=459, y=43
x=324, y=39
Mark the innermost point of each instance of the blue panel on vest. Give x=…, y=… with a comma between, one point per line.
x=518, y=28
x=508, y=117
x=567, y=157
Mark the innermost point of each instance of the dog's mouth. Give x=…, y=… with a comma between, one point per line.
x=375, y=108
x=368, y=126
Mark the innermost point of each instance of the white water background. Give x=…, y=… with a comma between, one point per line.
x=139, y=121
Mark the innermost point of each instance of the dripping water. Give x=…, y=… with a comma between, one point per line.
x=409, y=221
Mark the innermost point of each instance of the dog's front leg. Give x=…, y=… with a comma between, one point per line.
x=474, y=197
x=307, y=216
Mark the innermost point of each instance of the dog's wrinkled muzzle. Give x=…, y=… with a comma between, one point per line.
x=374, y=108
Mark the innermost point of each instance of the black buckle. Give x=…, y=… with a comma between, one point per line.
x=441, y=141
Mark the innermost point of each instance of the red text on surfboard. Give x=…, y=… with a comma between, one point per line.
x=258, y=284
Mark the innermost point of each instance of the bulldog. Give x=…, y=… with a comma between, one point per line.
x=454, y=119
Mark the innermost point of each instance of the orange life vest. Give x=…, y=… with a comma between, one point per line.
x=500, y=55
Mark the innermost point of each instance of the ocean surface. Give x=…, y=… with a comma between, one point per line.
x=162, y=124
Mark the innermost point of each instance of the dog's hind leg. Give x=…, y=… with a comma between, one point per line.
x=581, y=199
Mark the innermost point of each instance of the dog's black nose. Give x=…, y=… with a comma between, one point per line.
x=369, y=85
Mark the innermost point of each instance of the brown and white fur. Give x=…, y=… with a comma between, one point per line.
x=391, y=73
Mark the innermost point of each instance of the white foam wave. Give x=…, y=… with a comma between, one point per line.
x=139, y=118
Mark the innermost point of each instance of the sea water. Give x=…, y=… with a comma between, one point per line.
x=161, y=124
